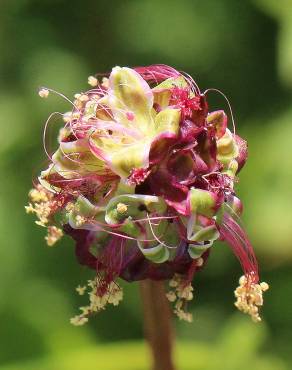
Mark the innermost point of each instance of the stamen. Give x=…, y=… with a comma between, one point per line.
x=249, y=297
x=122, y=208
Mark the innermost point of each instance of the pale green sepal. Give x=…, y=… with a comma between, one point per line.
x=227, y=149
x=157, y=254
x=42, y=179
x=124, y=160
x=167, y=121
x=206, y=234
x=85, y=209
x=132, y=202
x=202, y=202
x=231, y=169
x=196, y=250
x=130, y=228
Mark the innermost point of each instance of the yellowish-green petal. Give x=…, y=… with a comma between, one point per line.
x=167, y=121
x=124, y=160
x=129, y=95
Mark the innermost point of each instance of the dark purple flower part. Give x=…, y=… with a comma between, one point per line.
x=143, y=181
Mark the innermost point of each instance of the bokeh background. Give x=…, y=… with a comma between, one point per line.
x=243, y=48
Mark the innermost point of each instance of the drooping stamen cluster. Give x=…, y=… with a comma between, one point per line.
x=143, y=181
x=113, y=295
x=181, y=293
x=249, y=297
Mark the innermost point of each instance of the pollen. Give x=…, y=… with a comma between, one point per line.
x=78, y=320
x=39, y=194
x=44, y=93
x=80, y=220
x=171, y=296
x=41, y=204
x=92, y=81
x=122, y=208
x=81, y=289
x=112, y=294
x=69, y=207
x=181, y=293
x=249, y=297
x=29, y=208
x=54, y=234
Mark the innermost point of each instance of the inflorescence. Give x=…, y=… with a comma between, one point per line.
x=143, y=181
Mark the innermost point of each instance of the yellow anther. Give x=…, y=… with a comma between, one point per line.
x=29, y=208
x=122, y=208
x=181, y=293
x=69, y=207
x=264, y=286
x=249, y=297
x=54, y=234
x=80, y=220
x=78, y=320
x=41, y=223
x=112, y=295
x=171, y=296
x=81, y=289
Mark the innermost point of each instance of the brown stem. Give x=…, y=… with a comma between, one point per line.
x=158, y=324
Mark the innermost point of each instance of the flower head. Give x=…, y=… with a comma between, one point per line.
x=143, y=181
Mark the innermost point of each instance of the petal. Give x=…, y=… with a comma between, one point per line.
x=162, y=92
x=120, y=156
x=129, y=93
x=160, y=146
x=218, y=120
x=227, y=149
x=199, y=115
x=74, y=159
x=181, y=165
x=123, y=161
x=166, y=131
x=167, y=121
x=162, y=183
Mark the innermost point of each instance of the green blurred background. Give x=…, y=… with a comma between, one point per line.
x=243, y=48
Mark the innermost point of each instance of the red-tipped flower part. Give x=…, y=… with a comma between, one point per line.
x=143, y=181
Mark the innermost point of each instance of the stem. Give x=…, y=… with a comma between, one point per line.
x=158, y=324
